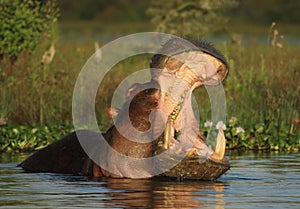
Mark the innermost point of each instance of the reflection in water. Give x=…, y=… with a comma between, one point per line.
x=255, y=181
x=51, y=190
x=162, y=194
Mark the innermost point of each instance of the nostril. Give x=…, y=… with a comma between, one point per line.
x=222, y=72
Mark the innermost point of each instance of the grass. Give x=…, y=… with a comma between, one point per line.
x=262, y=93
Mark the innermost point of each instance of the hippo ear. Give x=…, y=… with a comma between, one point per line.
x=133, y=90
x=112, y=112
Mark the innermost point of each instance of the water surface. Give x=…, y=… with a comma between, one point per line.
x=254, y=181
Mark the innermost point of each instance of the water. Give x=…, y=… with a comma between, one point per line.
x=254, y=181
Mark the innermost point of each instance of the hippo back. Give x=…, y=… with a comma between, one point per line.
x=63, y=156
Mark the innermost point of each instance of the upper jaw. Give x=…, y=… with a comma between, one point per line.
x=176, y=86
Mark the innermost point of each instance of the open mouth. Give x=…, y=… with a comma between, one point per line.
x=166, y=118
x=176, y=95
x=182, y=134
x=193, y=156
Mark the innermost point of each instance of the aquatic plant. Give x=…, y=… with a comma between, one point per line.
x=258, y=137
x=17, y=138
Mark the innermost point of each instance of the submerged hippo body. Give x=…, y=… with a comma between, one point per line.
x=172, y=148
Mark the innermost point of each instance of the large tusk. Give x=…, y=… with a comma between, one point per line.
x=169, y=132
x=220, y=147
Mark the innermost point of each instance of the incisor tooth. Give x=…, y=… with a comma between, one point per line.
x=215, y=77
x=191, y=152
x=203, y=75
x=220, y=147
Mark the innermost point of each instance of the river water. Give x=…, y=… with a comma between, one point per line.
x=265, y=180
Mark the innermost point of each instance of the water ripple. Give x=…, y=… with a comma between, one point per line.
x=254, y=181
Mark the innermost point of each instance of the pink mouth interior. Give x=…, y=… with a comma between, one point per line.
x=186, y=126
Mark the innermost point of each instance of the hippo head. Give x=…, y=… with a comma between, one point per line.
x=161, y=110
x=184, y=66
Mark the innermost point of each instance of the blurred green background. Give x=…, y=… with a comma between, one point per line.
x=242, y=18
x=112, y=11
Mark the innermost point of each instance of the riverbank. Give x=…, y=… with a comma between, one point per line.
x=20, y=138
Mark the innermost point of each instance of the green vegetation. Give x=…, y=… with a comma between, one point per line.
x=262, y=88
x=17, y=138
x=190, y=18
x=23, y=25
x=262, y=92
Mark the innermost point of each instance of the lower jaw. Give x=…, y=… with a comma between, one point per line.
x=188, y=164
x=193, y=168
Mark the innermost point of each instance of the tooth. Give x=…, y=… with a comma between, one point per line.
x=215, y=77
x=178, y=151
x=166, y=135
x=220, y=147
x=169, y=132
x=191, y=152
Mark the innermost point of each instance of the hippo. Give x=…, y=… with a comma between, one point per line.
x=156, y=122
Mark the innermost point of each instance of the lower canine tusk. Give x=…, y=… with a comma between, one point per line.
x=169, y=132
x=220, y=147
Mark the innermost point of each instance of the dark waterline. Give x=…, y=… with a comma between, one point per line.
x=254, y=181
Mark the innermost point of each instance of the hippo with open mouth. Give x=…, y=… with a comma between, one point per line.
x=155, y=133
